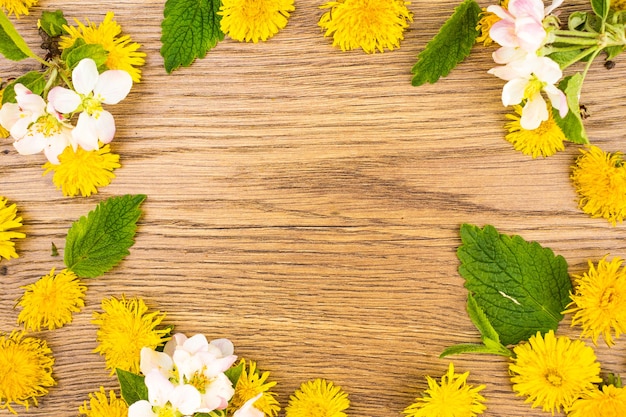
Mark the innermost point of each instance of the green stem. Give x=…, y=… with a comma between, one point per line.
x=575, y=33
x=591, y=59
x=571, y=40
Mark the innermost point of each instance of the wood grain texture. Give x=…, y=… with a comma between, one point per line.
x=306, y=203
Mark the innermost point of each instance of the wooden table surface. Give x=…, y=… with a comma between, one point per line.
x=305, y=203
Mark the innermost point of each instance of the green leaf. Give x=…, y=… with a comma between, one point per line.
x=52, y=23
x=470, y=348
x=189, y=29
x=12, y=45
x=450, y=46
x=521, y=286
x=234, y=372
x=132, y=386
x=80, y=52
x=601, y=8
x=489, y=335
x=572, y=124
x=35, y=81
x=480, y=320
x=99, y=241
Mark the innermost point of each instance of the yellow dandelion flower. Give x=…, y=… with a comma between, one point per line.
x=600, y=181
x=250, y=384
x=26, y=369
x=251, y=20
x=123, y=329
x=81, y=171
x=610, y=402
x=50, y=302
x=544, y=141
x=17, y=7
x=487, y=20
x=553, y=372
x=318, y=398
x=123, y=52
x=452, y=398
x=9, y=220
x=368, y=24
x=102, y=406
x=599, y=303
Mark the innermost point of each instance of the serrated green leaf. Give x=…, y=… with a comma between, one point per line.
x=52, y=23
x=97, y=242
x=572, y=124
x=450, y=46
x=132, y=386
x=601, y=8
x=12, y=45
x=93, y=51
x=35, y=81
x=190, y=28
x=521, y=286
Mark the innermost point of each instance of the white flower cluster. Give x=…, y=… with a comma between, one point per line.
x=39, y=126
x=187, y=378
x=521, y=35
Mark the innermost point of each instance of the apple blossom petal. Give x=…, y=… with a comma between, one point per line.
x=186, y=399
x=151, y=359
x=558, y=99
x=507, y=54
x=9, y=115
x=105, y=126
x=548, y=70
x=20, y=128
x=85, y=76
x=159, y=388
x=30, y=144
x=31, y=103
x=513, y=91
x=177, y=340
x=141, y=408
x=55, y=146
x=217, y=366
x=113, y=86
x=534, y=112
x=64, y=100
x=217, y=394
x=527, y=8
x=530, y=34
x=503, y=33
x=85, y=133
x=196, y=343
x=501, y=12
x=248, y=409
x=224, y=345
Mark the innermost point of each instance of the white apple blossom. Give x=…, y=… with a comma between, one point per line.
x=202, y=364
x=187, y=377
x=520, y=29
x=521, y=24
x=35, y=125
x=91, y=90
x=526, y=80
